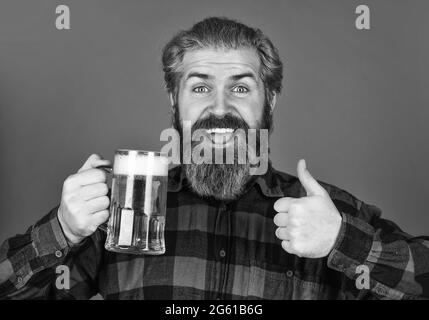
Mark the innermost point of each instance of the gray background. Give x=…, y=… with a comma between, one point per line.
x=355, y=103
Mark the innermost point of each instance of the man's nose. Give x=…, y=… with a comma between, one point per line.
x=221, y=106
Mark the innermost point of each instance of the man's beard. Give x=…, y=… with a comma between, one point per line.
x=224, y=181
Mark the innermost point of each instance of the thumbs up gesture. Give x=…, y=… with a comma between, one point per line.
x=308, y=226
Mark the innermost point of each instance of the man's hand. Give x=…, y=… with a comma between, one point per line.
x=308, y=226
x=84, y=202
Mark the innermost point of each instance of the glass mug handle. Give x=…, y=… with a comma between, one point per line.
x=108, y=169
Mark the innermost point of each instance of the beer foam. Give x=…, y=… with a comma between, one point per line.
x=140, y=164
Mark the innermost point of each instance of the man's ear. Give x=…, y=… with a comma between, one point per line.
x=273, y=101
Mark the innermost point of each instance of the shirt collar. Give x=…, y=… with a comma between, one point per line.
x=268, y=183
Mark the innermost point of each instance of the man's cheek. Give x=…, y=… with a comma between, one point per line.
x=192, y=112
x=251, y=113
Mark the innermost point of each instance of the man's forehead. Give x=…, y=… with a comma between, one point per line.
x=234, y=60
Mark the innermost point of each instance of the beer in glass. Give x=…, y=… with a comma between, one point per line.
x=138, y=203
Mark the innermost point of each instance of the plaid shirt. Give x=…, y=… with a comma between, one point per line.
x=223, y=250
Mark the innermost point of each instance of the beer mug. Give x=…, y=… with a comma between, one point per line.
x=138, y=202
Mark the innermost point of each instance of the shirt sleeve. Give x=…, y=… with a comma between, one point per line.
x=397, y=264
x=32, y=264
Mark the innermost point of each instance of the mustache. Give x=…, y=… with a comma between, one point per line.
x=227, y=121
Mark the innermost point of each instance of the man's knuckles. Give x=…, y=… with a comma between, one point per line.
x=291, y=205
x=75, y=205
x=295, y=220
x=93, y=191
x=90, y=176
x=69, y=183
x=292, y=219
x=288, y=233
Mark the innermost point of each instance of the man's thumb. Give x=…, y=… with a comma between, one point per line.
x=310, y=184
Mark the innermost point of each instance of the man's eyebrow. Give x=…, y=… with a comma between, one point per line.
x=244, y=75
x=235, y=77
x=197, y=75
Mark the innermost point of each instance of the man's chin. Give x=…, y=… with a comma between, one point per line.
x=224, y=182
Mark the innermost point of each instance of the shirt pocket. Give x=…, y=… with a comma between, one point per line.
x=275, y=282
x=269, y=282
x=305, y=290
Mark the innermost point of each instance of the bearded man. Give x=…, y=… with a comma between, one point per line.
x=229, y=234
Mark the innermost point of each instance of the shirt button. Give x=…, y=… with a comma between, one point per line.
x=380, y=290
x=222, y=253
x=289, y=273
x=58, y=254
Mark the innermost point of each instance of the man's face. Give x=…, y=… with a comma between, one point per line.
x=220, y=82
x=220, y=89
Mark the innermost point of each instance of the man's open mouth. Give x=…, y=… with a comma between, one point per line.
x=220, y=136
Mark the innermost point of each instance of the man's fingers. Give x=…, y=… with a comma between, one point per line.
x=282, y=233
x=288, y=247
x=93, y=191
x=94, y=161
x=98, y=204
x=87, y=177
x=281, y=219
x=310, y=184
x=99, y=217
x=283, y=204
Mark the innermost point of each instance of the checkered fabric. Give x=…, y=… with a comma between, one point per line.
x=223, y=250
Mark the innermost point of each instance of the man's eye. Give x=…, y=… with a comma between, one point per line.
x=240, y=89
x=200, y=89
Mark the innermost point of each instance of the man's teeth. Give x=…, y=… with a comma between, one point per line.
x=220, y=130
